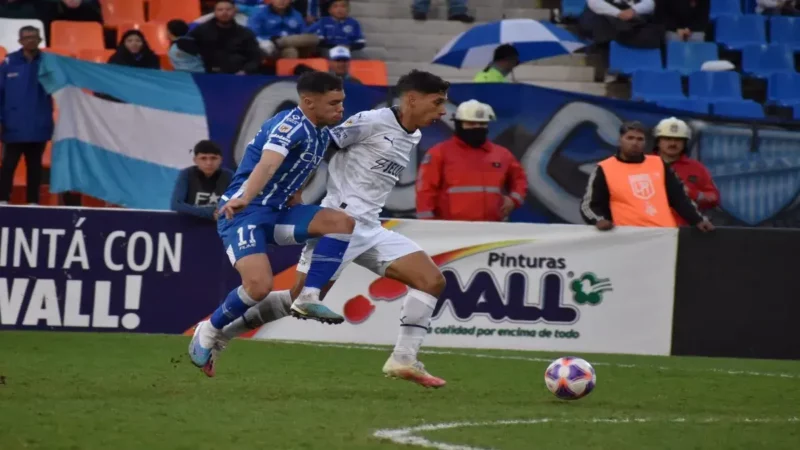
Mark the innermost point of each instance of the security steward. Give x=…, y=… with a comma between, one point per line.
x=672, y=142
x=467, y=177
x=634, y=189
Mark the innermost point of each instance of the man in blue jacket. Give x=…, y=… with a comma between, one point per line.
x=339, y=28
x=26, y=114
x=279, y=29
x=200, y=186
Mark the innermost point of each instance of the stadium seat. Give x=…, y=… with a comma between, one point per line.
x=3, y=53
x=116, y=12
x=370, y=72
x=715, y=85
x=166, y=10
x=626, y=60
x=687, y=57
x=96, y=56
x=785, y=30
x=651, y=85
x=746, y=109
x=719, y=8
x=761, y=61
x=76, y=35
x=63, y=51
x=735, y=32
x=285, y=67
x=685, y=104
x=796, y=109
x=572, y=8
x=9, y=32
x=783, y=89
x=154, y=32
x=166, y=63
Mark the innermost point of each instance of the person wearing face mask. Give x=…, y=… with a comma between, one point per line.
x=672, y=141
x=467, y=177
x=199, y=187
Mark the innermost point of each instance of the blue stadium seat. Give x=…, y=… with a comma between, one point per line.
x=761, y=61
x=685, y=104
x=783, y=89
x=572, y=8
x=749, y=6
x=626, y=60
x=721, y=8
x=747, y=109
x=735, y=32
x=796, y=109
x=715, y=85
x=785, y=30
x=687, y=57
x=652, y=85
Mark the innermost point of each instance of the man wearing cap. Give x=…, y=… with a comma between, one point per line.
x=505, y=59
x=467, y=177
x=672, y=137
x=200, y=186
x=339, y=64
x=634, y=189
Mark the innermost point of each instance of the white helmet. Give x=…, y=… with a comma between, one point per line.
x=674, y=128
x=474, y=111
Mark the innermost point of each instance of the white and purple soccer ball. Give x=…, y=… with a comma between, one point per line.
x=570, y=378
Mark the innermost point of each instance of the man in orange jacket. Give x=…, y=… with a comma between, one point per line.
x=467, y=177
x=672, y=139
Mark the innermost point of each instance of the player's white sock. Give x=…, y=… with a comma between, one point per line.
x=272, y=308
x=415, y=319
x=309, y=291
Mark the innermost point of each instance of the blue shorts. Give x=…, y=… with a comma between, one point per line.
x=253, y=229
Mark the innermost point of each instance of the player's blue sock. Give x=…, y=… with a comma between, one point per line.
x=326, y=259
x=235, y=304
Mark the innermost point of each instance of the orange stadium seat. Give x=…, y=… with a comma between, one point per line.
x=166, y=63
x=96, y=56
x=154, y=32
x=285, y=67
x=166, y=10
x=3, y=52
x=63, y=51
x=116, y=12
x=76, y=35
x=370, y=72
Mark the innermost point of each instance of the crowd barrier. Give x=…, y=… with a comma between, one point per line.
x=565, y=288
x=557, y=136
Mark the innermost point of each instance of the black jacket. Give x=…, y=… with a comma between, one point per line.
x=595, y=205
x=198, y=195
x=677, y=14
x=227, y=50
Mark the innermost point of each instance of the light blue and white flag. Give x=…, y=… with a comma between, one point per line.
x=124, y=153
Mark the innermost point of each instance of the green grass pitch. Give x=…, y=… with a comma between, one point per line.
x=81, y=391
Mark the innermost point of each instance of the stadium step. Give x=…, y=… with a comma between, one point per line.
x=426, y=56
x=598, y=89
x=360, y=9
x=411, y=26
x=525, y=72
x=503, y=4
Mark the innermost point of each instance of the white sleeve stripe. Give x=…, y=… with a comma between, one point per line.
x=587, y=199
x=294, y=130
x=275, y=148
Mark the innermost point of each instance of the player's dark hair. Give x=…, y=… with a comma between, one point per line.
x=420, y=81
x=206, y=146
x=633, y=125
x=230, y=2
x=318, y=83
x=28, y=29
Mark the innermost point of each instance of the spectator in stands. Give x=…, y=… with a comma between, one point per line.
x=467, y=177
x=200, y=186
x=629, y=22
x=672, y=141
x=80, y=10
x=684, y=20
x=280, y=31
x=248, y=7
x=778, y=7
x=184, y=54
x=505, y=59
x=634, y=189
x=339, y=63
x=26, y=115
x=134, y=51
x=338, y=28
x=226, y=46
x=456, y=10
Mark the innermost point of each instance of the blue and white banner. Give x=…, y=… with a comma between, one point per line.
x=129, y=153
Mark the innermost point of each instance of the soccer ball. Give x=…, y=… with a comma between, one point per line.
x=570, y=378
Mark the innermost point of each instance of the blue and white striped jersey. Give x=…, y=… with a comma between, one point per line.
x=291, y=134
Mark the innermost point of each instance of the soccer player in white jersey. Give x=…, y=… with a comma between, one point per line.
x=374, y=148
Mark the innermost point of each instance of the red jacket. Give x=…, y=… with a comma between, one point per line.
x=698, y=182
x=459, y=182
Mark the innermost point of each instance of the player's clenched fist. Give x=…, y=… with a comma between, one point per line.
x=232, y=207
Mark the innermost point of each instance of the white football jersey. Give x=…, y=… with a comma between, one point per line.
x=375, y=150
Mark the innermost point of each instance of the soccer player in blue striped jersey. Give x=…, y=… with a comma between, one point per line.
x=259, y=208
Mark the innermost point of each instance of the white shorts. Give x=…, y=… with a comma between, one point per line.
x=373, y=248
